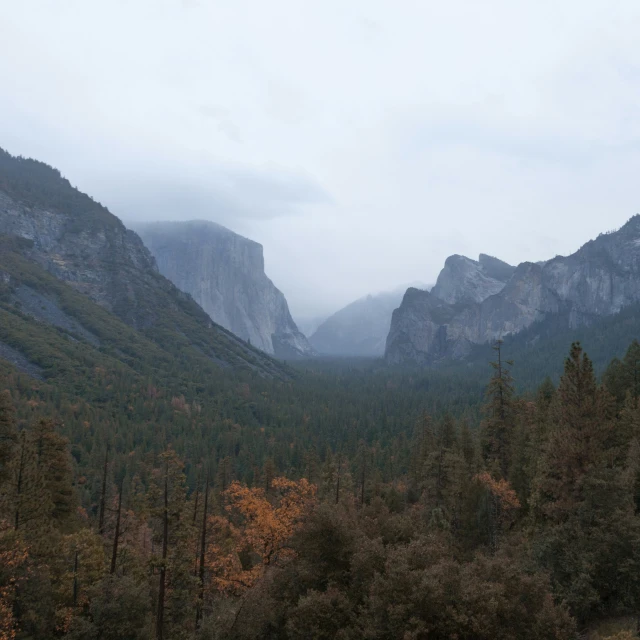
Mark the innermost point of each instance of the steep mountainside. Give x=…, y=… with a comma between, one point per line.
x=224, y=273
x=359, y=329
x=78, y=241
x=463, y=309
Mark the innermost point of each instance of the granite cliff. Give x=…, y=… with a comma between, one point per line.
x=477, y=302
x=224, y=272
x=466, y=281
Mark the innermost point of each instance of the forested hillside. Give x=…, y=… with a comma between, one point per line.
x=345, y=502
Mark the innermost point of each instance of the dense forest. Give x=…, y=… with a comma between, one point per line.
x=342, y=502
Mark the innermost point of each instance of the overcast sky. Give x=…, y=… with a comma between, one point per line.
x=360, y=141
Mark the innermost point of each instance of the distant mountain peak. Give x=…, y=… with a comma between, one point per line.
x=463, y=280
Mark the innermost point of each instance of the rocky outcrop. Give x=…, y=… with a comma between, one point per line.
x=477, y=302
x=224, y=272
x=359, y=329
x=104, y=261
x=464, y=281
x=418, y=330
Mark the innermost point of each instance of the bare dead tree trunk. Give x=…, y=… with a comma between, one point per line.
x=103, y=493
x=19, y=485
x=116, y=535
x=163, y=568
x=195, y=505
x=203, y=546
x=494, y=522
x=75, y=580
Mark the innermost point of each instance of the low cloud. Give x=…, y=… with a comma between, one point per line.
x=232, y=196
x=360, y=143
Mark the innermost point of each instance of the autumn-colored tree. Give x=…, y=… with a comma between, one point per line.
x=502, y=502
x=257, y=532
x=268, y=524
x=13, y=556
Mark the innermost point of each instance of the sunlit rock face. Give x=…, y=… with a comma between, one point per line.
x=224, y=273
x=474, y=302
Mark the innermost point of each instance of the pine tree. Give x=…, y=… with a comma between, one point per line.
x=174, y=533
x=25, y=496
x=116, y=532
x=582, y=499
x=203, y=548
x=54, y=464
x=622, y=377
x=497, y=427
x=581, y=437
x=269, y=473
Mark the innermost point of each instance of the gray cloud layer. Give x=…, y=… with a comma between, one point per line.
x=360, y=142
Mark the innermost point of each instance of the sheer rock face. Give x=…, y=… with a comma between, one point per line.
x=476, y=302
x=224, y=273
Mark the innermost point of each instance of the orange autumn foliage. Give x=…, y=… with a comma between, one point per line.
x=223, y=560
x=12, y=556
x=500, y=489
x=258, y=526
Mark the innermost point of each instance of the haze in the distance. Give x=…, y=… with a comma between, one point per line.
x=361, y=142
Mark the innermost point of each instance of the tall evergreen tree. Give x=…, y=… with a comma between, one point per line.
x=174, y=532
x=582, y=501
x=54, y=463
x=497, y=427
x=622, y=377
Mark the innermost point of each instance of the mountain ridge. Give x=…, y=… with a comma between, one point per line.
x=599, y=279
